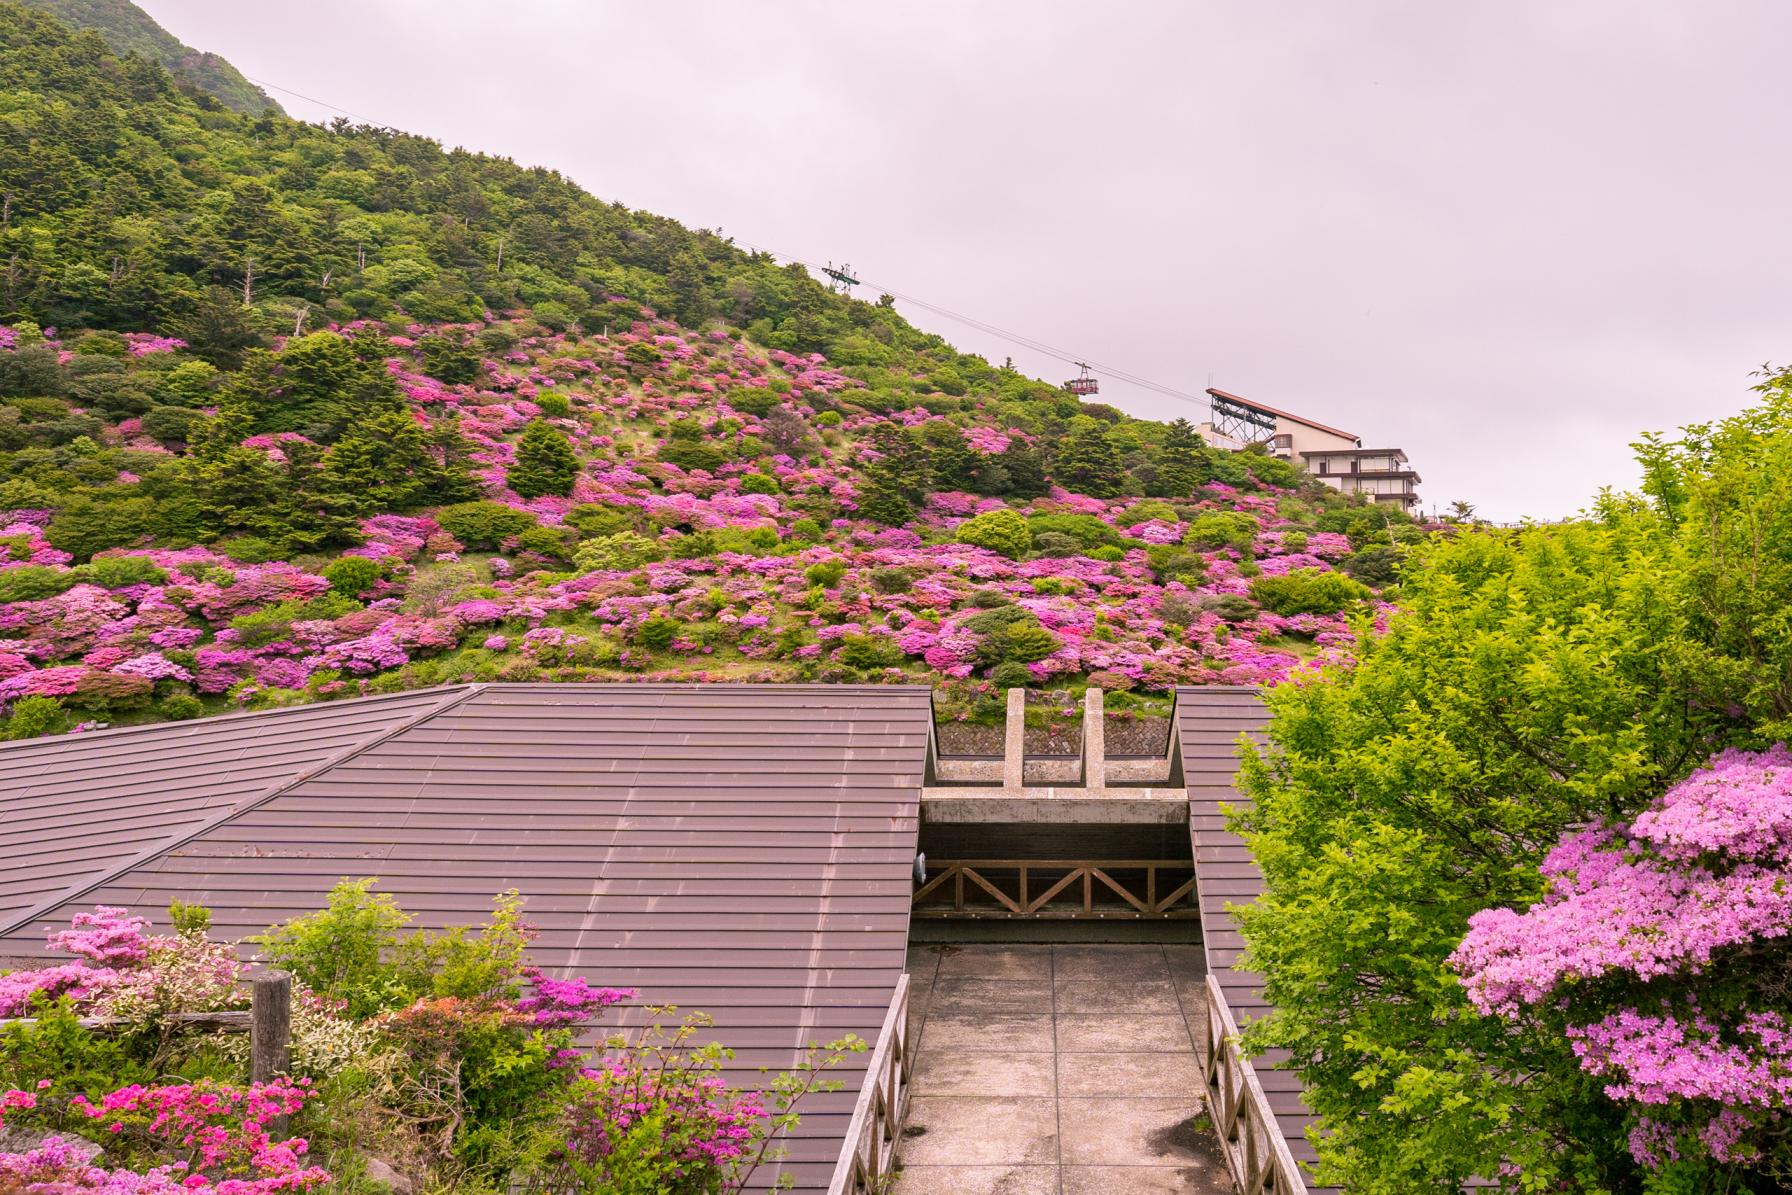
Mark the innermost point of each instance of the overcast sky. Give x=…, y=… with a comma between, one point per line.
x=1504, y=236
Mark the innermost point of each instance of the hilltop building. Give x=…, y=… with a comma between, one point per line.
x=1334, y=456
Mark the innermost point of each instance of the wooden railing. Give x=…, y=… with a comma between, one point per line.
x=1255, y=1149
x=1058, y=895
x=869, y=1155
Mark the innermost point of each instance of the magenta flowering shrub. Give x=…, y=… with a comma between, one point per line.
x=714, y=547
x=125, y=971
x=194, y=1137
x=1660, y=954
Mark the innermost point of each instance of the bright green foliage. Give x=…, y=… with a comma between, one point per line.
x=30, y=582
x=1307, y=591
x=870, y=652
x=1223, y=529
x=825, y=573
x=1085, y=531
x=1028, y=641
x=351, y=575
x=622, y=550
x=343, y=950
x=116, y=572
x=32, y=716
x=596, y=519
x=1001, y=531
x=659, y=631
x=545, y=463
x=1535, y=680
x=758, y=483
x=1526, y=689
x=1726, y=492
x=486, y=524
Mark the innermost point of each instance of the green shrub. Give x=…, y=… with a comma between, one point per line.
x=996, y=620
x=1107, y=552
x=623, y=550
x=1234, y=607
x=32, y=716
x=828, y=419
x=553, y=404
x=1086, y=531
x=544, y=541
x=33, y=582
x=658, y=632
x=806, y=531
x=1028, y=641
x=1374, y=566
x=1011, y=674
x=989, y=599
x=1001, y=531
x=692, y=455
x=595, y=519
x=759, y=483
x=1223, y=529
x=1144, y=512
x=1173, y=562
x=450, y=359
x=483, y=524
x=825, y=573
x=252, y=549
x=352, y=575
x=1307, y=591
x=869, y=652
x=117, y=572
x=892, y=579
x=1294, y=541
x=179, y=707
x=753, y=400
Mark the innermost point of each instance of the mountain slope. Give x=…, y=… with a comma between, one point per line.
x=130, y=30
x=453, y=419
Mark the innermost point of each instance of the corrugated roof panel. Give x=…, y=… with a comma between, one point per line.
x=74, y=808
x=740, y=850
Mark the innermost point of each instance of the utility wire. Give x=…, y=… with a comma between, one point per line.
x=1015, y=338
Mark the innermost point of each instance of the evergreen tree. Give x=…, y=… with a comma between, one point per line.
x=885, y=498
x=545, y=463
x=691, y=304
x=1086, y=461
x=1182, y=463
x=1025, y=470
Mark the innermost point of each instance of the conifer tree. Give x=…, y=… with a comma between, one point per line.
x=1087, y=461
x=545, y=463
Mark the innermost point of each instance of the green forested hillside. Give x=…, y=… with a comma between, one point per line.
x=130, y=30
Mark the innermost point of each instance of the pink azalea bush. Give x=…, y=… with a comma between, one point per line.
x=723, y=548
x=1659, y=953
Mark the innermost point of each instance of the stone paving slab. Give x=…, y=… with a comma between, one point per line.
x=1057, y=1070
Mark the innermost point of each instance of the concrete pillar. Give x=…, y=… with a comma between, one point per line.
x=1095, y=745
x=1014, y=741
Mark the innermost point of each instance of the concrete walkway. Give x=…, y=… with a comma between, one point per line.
x=1057, y=1070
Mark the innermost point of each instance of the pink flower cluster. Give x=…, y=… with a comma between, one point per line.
x=1621, y=947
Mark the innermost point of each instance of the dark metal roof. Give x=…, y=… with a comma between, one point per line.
x=741, y=850
x=75, y=808
x=1210, y=719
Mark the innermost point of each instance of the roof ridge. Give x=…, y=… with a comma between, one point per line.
x=457, y=695
x=72, y=740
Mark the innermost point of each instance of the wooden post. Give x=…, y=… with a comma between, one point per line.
x=270, y=1033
